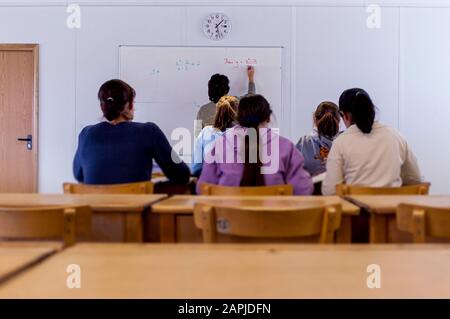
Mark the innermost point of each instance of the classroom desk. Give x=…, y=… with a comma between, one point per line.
x=177, y=222
x=17, y=256
x=114, y=217
x=382, y=210
x=238, y=271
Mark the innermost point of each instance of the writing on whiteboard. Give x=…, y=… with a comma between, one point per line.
x=186, y=64
x=240, y=62
x=155, y=71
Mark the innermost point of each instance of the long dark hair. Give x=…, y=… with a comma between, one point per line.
x=327, y=118
x=359, y=105
x=114, y=95
x=253, y=110
x=218, y=86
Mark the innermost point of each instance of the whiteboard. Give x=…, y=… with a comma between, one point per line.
x=172, y=82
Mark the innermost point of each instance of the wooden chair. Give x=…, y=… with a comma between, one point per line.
x=132, y=188
x=267, y=223
x=44, y=223
x=210, y=189
x=423, y=221
x=347, y=190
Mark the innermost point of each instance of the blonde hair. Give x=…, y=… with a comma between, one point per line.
x=226, y=112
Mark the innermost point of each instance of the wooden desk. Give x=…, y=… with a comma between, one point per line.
x=382, y=209
x=114, y=218
x=17, y=256
x=238, y=271
x=177, y=223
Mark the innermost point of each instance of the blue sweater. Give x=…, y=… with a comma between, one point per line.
x=124, y=153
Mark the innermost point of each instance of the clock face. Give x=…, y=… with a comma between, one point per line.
x=217, y=26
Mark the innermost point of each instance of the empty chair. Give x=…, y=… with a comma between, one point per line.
x=45, y=223
x=424, y=222
x=268, y=223
x=346, y=190
x=131, y=188
x=210, y=189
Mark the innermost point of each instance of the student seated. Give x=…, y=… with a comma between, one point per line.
x=316, y=146
x=223, y=120
x=252, y=154
x=121, y=151
x=368, y=153
x=218, y=86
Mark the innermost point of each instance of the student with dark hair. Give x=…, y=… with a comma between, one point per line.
x=368, y=153
x=252, y=154
x=121, y=151
x=218, y=86
x=316, y=146
x=224, y=119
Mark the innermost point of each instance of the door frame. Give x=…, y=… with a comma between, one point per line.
x=34, y=49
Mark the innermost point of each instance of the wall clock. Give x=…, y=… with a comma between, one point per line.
x=217, y=26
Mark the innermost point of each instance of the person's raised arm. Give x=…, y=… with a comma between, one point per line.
x=251, y=80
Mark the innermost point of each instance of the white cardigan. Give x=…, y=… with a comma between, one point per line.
x=381, y=158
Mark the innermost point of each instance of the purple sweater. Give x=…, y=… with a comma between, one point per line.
x=281, y=160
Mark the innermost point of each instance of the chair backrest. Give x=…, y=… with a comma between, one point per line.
x=422, y=221
x=346, y=190
x=267, y=223
x=131, y=188
x=42, y=223
x=210, y=189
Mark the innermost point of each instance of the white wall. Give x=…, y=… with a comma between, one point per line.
x=327, y=48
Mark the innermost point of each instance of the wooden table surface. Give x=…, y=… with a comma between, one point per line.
x=115, y=217
x=185, y=203
x=98, y=202
x=238, y=271
x=177, y=224
x=15, y=256
x=382, y=209
x=387, y=204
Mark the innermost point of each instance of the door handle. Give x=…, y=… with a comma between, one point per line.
x=29, y=140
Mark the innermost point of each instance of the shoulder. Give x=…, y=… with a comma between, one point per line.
x=90, y=128
x=305, y=140
x=207, y=107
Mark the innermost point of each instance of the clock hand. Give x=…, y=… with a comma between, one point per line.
x=217, y=25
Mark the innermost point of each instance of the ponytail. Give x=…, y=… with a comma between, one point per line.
x=253, y=110
x=327, y=119
x=226, y=112
x=359, y=105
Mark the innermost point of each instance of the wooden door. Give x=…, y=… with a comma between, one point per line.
x=18, y=117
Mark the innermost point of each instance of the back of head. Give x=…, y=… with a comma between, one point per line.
x=114, y=96
x=327, y=118
x=253, y=110
x=226, y=112
x=218, y=86
x=359, y=105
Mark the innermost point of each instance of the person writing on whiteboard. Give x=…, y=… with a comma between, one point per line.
x=218, y=86
x=121, y=151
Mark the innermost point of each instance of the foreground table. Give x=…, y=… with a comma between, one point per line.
x=382, y=209
x=238, y=271
x=15, y=256
x=114, y=218
x=177, y=222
